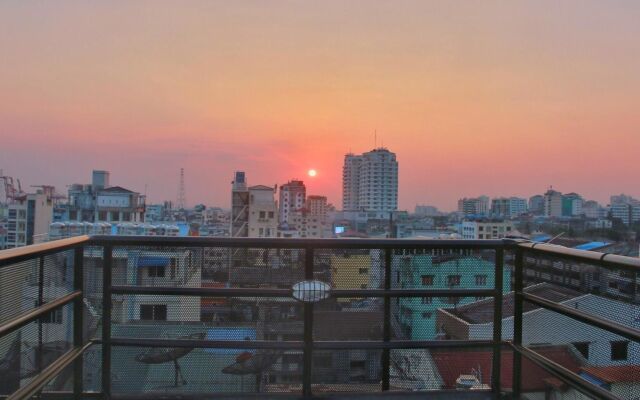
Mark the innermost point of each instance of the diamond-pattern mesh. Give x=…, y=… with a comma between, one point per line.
x=597, y=355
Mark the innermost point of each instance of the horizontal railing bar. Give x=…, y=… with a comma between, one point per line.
x=605, y=260
x=30, y=316
x=63, y=395
x=49, y=373
x=20, y=254
x=400, y=344
x=565, y=375
x=266, y=292
x=578, y=315
x=202, y=291
x=295, y=243
x=204, y=344
x=391, y=395
x=413, y=292
x=295, y=345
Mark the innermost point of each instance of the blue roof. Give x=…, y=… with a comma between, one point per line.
x=591, y=245
x=541, y=238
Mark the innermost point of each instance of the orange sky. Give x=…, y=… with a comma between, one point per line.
x=490, y=97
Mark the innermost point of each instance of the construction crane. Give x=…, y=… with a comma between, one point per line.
x=11, y=191
x=50, y=192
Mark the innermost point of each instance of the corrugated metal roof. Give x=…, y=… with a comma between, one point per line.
x=591, y=245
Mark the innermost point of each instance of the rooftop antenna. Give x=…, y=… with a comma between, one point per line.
x=555, y=237
x=182, y=200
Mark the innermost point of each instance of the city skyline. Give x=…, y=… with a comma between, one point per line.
x=498, y=99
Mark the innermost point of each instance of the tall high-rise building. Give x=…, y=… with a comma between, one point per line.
x=625, y=208
x=292, y=198
x=370, y=181
x=29, y=219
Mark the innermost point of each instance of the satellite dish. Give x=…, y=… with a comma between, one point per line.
x=311, y=291
x=159, y=355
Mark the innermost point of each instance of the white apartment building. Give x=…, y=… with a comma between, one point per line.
x=508, y=207
x=628, y=213
x=486, y=229
x=263, y=220
x=370, y=181
x=292, y=197
x=29, y=219
x=553, y=204
x=474, y=205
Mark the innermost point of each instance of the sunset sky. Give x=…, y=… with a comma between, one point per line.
x=474, y=97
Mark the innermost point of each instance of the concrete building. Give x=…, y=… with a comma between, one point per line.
x=474, y=205
x=417, y=316
x=598, y=347
x=350, y=271
x=28, y=220
x=293, y=195
x=627, y=213
x=486, y=229
x=239, y=221
x=426, y=211
x=317, y=205
x=536, y=205
x=572, y=205
x=370, y=181
x=101, y=202
x=508, y=207
x=553, y=204
x=592, y=209
x=263, y=221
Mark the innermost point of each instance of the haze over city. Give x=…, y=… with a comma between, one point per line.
x=491, y=98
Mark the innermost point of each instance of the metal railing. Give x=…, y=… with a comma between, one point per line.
x=308, y=345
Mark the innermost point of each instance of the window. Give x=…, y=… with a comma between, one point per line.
x=153, y=312
x=427, y=280
x=453, y=280
x=427, y=300
x=481, y=280
x=619, y=350
x=583, y=348
x=156, y=271
x=271, y=214
x=263, y=214
x=426, y=315
x=362, y=271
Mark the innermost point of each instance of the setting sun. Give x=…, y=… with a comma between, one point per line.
x=312, y=173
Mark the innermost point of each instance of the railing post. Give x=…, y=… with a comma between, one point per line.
x=518, y=285
x=39, y=361
x=386, y=333
x=497, y=323
x=107, y=259
x=78, y=319
x=308, y=329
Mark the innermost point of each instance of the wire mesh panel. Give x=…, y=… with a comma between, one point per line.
x=336, y=371
x=18, y=288
x=158, y=371
x=441, y=369
x=35, y=346
x=600, y=356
